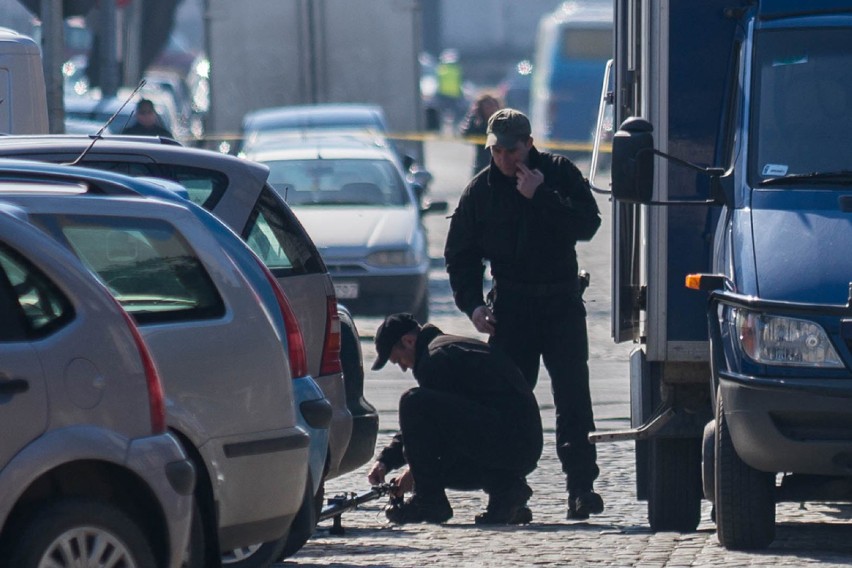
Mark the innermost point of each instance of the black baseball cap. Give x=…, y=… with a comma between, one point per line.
x=506, y=127
x=389, y=333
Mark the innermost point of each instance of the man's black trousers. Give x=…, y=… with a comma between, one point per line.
x=552, y=328
x=453, y=442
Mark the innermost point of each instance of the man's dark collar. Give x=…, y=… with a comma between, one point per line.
x=427, y=333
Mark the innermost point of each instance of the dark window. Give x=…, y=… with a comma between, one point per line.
x=277, y=237
x=801, y=103
x=205, y=187
x=35, y=301
x=133, y=169
x=146, y=264
x=587, y=44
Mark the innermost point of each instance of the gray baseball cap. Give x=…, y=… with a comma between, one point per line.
x=506, y=127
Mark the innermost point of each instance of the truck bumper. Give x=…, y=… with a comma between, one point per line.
x=794, y=426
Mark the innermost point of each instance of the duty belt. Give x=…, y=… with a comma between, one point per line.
x=538, y=289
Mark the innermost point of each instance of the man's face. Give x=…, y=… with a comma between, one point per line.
x=145, y=116
x=402, y=353
x=507, y=159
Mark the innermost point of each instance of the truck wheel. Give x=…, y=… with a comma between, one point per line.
x=80, y=532
x=708, y=462
x=745, y=497
x=674, y=500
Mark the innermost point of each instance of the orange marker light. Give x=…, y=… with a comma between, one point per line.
x=693, y=281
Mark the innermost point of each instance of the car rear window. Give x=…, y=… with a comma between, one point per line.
x=146, y=264
x=205, y=187
x=35, y=300
x=277, y=237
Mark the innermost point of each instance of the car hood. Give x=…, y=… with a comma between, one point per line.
x=350, y=231
x=801, y=244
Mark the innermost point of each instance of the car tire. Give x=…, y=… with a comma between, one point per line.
x=745, y=497
x=306, y=520
x=196, y=555
x=67, y=527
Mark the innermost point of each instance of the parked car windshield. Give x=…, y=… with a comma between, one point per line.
x=146, y=264
x=802, y=105
x=374, y=183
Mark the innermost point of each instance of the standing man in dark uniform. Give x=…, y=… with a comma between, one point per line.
x=524, y=214
x=453, y=427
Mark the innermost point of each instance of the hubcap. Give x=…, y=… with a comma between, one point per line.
x=87, y=547
x=240, y=554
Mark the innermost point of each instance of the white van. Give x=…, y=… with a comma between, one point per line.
x=23, y=99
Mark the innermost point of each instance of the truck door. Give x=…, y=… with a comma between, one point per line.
x=628, y=218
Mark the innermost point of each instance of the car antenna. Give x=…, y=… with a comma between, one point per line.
x=97, y=136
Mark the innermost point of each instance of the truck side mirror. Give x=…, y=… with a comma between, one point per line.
x=633, y=161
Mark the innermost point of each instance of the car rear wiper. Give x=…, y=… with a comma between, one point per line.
x=842, y=177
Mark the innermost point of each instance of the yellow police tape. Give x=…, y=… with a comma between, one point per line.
x=565, y=145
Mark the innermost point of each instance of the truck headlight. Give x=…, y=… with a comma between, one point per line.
x=774, y=340
x=386, y=258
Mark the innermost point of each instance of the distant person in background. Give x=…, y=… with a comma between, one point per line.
x=474, y=125
x=449, y=75
x=147, y=122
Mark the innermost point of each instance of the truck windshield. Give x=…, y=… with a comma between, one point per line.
x=801, y=129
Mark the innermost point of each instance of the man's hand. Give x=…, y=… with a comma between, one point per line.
x=377, y=474
x=403, y=484
x=528, y=180
x=483, y=320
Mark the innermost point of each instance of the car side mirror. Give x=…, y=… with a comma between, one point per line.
x=633, y=161
x=434, y=207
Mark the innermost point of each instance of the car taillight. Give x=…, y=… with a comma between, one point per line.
x=156, y=399
x=330, y=362
x=295, y=341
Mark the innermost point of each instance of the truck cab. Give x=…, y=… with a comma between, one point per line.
x=731, y=166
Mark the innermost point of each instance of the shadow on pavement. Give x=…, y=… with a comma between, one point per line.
x=812, y=540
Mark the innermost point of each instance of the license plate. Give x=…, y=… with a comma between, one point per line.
x=346, y=290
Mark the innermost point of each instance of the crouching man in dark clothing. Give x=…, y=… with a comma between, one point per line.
x=472, y=423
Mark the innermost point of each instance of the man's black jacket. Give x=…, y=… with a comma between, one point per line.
x=470, y=369
x=530, y=241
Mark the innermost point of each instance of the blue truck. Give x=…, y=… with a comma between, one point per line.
x=732, y=272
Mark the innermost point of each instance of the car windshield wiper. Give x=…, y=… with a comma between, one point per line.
x=843, y=177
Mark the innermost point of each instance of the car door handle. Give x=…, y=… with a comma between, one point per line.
x=14, y=386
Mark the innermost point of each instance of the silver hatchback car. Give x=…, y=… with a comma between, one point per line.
x=226, y=373
x=89, y=474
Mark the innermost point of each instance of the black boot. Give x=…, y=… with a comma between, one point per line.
x=584, y=503
x=419, y=509
x=507, y=507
